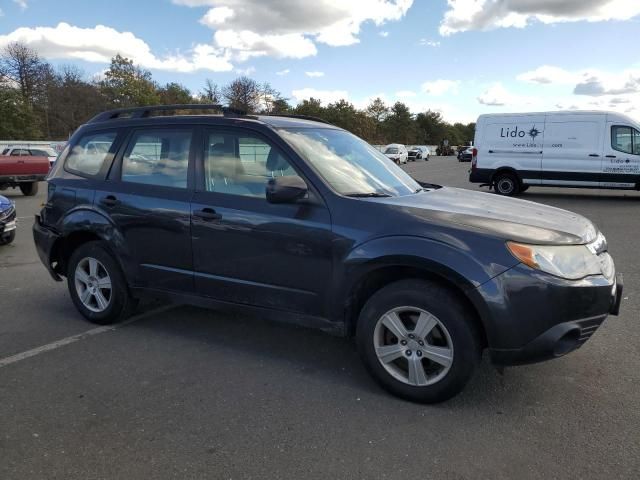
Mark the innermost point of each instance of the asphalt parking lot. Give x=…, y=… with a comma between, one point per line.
x=182, y=392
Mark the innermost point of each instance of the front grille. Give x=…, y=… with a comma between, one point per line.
x=7, y=213
x=588, y=328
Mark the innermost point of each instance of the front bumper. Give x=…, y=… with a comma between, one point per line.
x=7, y=221
x=530, y=316
x=45, y=240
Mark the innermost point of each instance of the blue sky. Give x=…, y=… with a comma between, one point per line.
x=460, y=57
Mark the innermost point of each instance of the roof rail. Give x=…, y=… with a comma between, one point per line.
x=142, y=112
x=301, y=117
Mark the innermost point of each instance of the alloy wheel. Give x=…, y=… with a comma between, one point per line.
x=93, y=284
x=413, y=346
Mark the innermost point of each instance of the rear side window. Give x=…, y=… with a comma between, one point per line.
x=88, y=155
x=625, y=139
x=158, y=157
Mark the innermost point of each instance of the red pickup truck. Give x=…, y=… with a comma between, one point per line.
x=23, y=172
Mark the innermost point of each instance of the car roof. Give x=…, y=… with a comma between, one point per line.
x=223, y=115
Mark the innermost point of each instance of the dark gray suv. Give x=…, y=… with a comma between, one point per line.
x=300, y=221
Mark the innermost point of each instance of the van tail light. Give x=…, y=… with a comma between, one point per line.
x=474, y=158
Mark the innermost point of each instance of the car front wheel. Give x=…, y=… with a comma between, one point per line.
x=97, y=285
x=418, y=341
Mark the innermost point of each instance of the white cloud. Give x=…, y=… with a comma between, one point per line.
x=21, y=3
x=246, y=71
x=428, y=43
x=326, y=96
x=283, y=72
x=405, y=94
x=440, y=87
x=591, y=82
x=100, y=43
x=291, y=28
x=464, y=15
x=384, y=34
x=498, y=96
x=314, y=74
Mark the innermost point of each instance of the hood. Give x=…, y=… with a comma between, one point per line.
x=4, y=203
x=508, y=218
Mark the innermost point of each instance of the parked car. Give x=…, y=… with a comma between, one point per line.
x=23, y=171
x=557, y=149
x=418, y=153
x=465, y=155
x=7, y=221
x=41, y=151
x=325, y=232
x=397, y=152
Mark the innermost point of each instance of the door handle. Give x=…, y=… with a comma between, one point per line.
x=594, y=155
x=207, y=214
x=110, y=201
x=611, y=156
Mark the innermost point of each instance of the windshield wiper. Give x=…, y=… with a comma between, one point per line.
x=368, y=194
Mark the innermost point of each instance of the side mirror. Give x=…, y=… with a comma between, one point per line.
x=286, y=189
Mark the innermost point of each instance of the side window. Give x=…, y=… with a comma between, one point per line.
x=242, y=165
x=88, y=155
x=158, y=157
x=18, y=152
x=636, y=142
x=622, y=139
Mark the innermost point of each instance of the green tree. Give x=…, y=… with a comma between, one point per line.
x=311, y=107
x=432, y=129
x=243, y=93
x=18, y=119
x=174, y=94
x=127, y=85
x=399, y=125
x=378, y=111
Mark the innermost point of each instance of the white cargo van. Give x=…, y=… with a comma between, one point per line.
x=561, y=149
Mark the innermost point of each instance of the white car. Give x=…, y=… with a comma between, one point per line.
x=397, y=152
x=561, y=149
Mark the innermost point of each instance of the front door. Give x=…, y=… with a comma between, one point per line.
x=247, y=250
x=621, y=162
x=147, y=196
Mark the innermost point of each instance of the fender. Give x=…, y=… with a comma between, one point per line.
x=456, y=264
x=92, y=220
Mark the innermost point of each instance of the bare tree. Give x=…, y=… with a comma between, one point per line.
x=243, y=93
x=211, y=92
x=21, y=66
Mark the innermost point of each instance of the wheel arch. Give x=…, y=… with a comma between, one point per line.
x=382, y=273
x=81, y=226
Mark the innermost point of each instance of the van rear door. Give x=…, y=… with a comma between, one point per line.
x=573, y=147
x=513, y=142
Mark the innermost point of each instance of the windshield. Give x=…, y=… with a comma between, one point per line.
x=348, y=164
x=391, y=150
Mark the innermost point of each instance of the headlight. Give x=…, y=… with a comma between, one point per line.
x=572, y=262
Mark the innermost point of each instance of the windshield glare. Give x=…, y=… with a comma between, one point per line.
x=391, y=150
x=347, y=163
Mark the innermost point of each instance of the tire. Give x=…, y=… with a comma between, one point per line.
x=506, y=184
x=29, y=189
x=119, y=303
x=454, y=331
x=8, y=238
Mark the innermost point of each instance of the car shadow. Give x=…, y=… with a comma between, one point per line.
x=308, y=351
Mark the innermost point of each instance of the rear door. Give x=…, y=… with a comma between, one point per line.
x=621, y=162
x=573, y=147
x=513, y=142
x=147, y=196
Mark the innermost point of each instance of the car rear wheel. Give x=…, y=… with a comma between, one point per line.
x=506, y=184
x=418, y=341
x=29, y=189
x=97, y=285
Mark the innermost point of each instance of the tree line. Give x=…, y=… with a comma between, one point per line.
x=40, y=102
